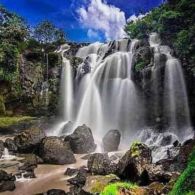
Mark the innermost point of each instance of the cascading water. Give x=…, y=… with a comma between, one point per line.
x=103, y=95
x=175, y=101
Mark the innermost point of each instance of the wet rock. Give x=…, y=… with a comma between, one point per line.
x=111, y=140
x=71, y=172
x=54, y=151
x=156, y=173
x=29, y=163
x=95, y=184
x=132, y=165
x=67, y=127
x=10, y=145
x=56, y=192
x=6, y=181
x=180, y=161
x=176, y=143
x=80, y=179
x=29, y=140
x=81, y=141
x=166, y=140
x=100, y=164
x=155, y=188
x=1, y=148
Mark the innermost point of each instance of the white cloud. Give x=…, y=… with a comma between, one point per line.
x=93, y=34
x=99, y=16
x=134, y=18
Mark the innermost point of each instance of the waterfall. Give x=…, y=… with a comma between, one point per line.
x=175, y=101
x=102, y=93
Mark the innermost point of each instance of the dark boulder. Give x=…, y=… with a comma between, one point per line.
x=6, y=181
x=10, y=145
x=111, y=140
x=56, y=192
x=80, y=179
x=71, y=172
x=100, y=164
x=180, y=161
x=133, y=164
x=81, y=141
x=1, y=148
x=54, y=151
x=29, y=140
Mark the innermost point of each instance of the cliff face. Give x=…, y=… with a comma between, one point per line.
x=37, y=91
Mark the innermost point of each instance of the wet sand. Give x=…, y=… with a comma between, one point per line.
x=48, y=177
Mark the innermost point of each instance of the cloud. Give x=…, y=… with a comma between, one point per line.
x=134, y=18
x=98, y=16
x=93, y=34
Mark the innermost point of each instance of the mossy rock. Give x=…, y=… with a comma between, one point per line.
x=120, y=188
x=2, y=106
x=186, y=182
x=96, y=184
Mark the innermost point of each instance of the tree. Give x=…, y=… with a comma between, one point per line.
x=46, y=32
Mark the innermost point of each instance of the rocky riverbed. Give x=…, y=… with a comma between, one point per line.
x=70, y=163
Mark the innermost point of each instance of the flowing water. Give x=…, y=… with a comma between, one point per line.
x=103, y=94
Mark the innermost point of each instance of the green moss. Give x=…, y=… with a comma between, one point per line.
x=112, y=189
x=140, y=66
x=135, y=148
x=185, y=185
x=8, y=121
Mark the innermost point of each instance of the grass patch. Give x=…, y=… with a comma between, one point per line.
x=185, y=185
x=112, y=189
x=9, y=121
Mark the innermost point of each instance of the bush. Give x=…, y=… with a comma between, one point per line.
x=186, y=182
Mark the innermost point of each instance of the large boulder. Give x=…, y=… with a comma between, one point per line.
x=133, y=164
x=6, y=181
x=1, y=148
x=100, y=164
x=111, y=140
x=54, y=150
x=29, y=140
x=81, y=141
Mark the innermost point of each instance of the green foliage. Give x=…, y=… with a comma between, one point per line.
x=174, y=21
x=140, y=65
x=8, y=121
x=112, y=189
x=135, y=148
x=46, y=32
x=186, y=182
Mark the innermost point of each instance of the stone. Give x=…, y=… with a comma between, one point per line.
x=81, y=141
x=29, y=140
x=111, y=141
x=95, y=184
x=1, y=148
x=56, y=192
x=80, y=179
x=100, y=164
x=53, y=150
x=132, y=165
x=71, y=172
x=10, y=145
x=6, y=181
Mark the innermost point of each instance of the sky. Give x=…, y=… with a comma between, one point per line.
x=83, y=20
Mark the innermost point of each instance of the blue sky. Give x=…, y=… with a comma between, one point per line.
x=82, y=20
